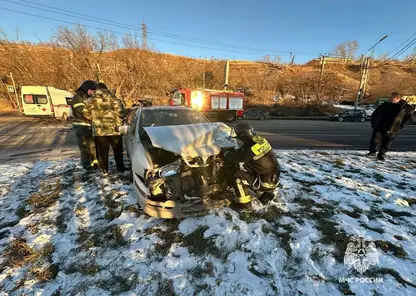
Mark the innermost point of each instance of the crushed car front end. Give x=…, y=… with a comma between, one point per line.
x=186, y=175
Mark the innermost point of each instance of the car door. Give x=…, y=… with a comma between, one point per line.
x=348, y=116
x=130, y=137
x=249, y=114
x=43, y=105
x=357, y=114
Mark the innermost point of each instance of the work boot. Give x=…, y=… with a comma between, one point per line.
x=380, y=157
x=371, y=153
x=91, y=169
x=266, y=197
x=241, y=207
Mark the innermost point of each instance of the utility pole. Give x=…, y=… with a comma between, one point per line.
x=364, y=74
x=292, y=59
x=363, y=81
x=203, y=79
x=15, y=92
x=98, y=73
x=366, y=79
x=322, y=65
x=144, y=35
x=227, y=70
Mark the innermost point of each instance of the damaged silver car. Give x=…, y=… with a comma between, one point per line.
x=176, y=160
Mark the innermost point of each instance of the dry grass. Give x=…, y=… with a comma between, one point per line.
x=152, y=74
x=19, y=253
x=44, y=273
x=203, y=270
x=166, y=288
x=199, y=245
x=47, y=195
x=339, y=163
x=388, y=247
x=110, y=236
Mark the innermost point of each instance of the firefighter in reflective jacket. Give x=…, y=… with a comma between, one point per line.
x=262, y=171
x=82, y=125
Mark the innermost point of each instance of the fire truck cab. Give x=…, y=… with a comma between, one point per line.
x=216, y=105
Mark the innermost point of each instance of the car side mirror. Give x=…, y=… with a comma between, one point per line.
x=124, y=129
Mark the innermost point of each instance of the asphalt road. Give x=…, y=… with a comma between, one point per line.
x=26, y=138
x=314, y=134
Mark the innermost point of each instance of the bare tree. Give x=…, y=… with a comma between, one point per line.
x=347, y=49
x=352, y=48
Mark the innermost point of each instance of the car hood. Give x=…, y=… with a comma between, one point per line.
x=192, y=140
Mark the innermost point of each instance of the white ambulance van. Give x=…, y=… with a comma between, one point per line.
x=46, y=101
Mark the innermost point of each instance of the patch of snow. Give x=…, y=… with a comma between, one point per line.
x=103, y=244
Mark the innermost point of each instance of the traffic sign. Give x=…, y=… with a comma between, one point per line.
x=10, y=88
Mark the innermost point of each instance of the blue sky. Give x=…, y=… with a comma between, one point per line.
x=253, y=28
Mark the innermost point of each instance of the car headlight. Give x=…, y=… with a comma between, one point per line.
x=169, y=170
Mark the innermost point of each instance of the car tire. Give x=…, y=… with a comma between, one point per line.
x=131, y=175
x=262, y=117
x=230, y=117
x=341, y=119
x=64, y=116
x=362, y=119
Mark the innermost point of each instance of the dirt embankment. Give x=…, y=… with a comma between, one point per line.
x=139, y=74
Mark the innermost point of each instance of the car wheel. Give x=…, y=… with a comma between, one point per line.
x=230, y=117
x=341, y=119
x=64, y=116
x=131, y=175
x=262, y=117
x=362, y=119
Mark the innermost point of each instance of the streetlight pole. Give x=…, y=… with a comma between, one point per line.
x=364, y=74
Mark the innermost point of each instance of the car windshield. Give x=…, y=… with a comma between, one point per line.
x=164, y=117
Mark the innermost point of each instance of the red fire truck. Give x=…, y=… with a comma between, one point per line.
x=219, y=105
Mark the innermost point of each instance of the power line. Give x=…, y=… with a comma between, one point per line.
x=116, y=32
x=398, y=53
x=404, y=49
x=401, y=44
x=150, y=31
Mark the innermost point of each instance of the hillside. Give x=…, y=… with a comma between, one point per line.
x=136, y=73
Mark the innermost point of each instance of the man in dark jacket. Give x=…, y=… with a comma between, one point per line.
x=262, y=171
x=106, y=113
x=386, y=121
x=82, y=125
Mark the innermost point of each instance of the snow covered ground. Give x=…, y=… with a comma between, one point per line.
x=66, y=233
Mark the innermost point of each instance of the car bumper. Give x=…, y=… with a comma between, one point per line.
x=172, y=209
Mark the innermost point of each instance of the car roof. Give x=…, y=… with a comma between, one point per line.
x=166, y=108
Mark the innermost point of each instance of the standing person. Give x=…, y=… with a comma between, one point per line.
x=262, y=171
x=82, y=125
x=106, y=113
x=386, y=121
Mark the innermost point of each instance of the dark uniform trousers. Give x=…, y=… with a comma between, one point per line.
x=103, y=144
x=259, y=160
x=86, y=146
x=244, y=181
x=381, y=142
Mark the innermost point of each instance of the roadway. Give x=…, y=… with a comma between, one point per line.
x=26, y=138
x=316, y=134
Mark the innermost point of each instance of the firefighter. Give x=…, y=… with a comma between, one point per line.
x=106, y=113
x=82, y=125
x=262, y=171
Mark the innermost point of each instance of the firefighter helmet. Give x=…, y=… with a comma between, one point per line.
x=88, y=84
x=243, y=131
